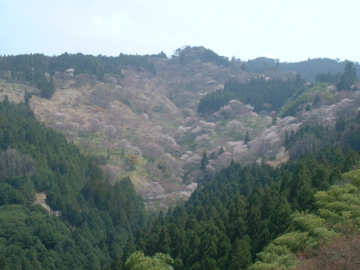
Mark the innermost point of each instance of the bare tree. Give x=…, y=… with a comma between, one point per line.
x=94, y=126
x=82, y=79
x=109, y=147
x=110, y=131
x=223, y=160
x=13, y=163
x=339, y=253
x=152, y=150
x=111, y=173
x=204, y=141
x=133, y=161
x=101, y=97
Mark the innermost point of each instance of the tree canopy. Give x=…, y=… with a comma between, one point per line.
x=90, y=222
x=257, y=92
x=348, y=78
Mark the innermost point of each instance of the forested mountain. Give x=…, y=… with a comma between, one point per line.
x=262, y=94
x=307, y=69
x=188, y=54
x=27, y=66
x=94, y=222
x=189, y=162
x=244, y=208
x=32, y=67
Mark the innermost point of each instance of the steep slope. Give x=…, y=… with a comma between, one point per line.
x=144, y=126
x=233, y=217
x=131, y=123
x=142, y=119
x=93, y=221
x=268, y=215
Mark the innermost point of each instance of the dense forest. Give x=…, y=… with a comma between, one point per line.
x=59, y=211
x=94, y=222
x=274, y=94
x=31, y=68
x=228, y=221
x=224, y=225
x=307, y=69
x=262, y=94
x=189, y=54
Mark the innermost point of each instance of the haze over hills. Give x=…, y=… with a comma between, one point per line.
x=175, y=128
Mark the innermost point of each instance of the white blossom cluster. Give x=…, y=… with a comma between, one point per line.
x=273, y=137
x=203, y=127
x=204, y=141
x=61, y=117
x=190, y=158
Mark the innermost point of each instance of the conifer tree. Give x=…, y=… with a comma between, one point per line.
x=348, y=78
x=247, y=138
x=204, y=161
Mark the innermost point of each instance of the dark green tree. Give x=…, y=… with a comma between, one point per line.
x=204, y=161
x=348, y=78
x=247, y=138
x=240, y=256
x=47, y=88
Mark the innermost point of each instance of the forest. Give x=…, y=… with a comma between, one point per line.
x=228, y=222
x=260, y=93
x=308, y=69
x=31, y=68
x=224, y=224
x=60, y=210
x=189, y=54
x=95, y=222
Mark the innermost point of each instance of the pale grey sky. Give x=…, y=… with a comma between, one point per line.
x=291, y=30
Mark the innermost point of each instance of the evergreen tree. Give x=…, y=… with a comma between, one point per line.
x=95, y=219
x=247, y=138
x=348, y=78
x=212, y=155
x=204, y=161
x=27, y=97
x=47, y=88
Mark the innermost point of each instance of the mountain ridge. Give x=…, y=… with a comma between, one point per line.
x=260, y=181
x=144, y=124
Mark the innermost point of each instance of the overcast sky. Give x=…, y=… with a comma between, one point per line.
x=291, y=30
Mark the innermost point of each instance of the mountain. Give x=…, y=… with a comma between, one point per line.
x=151, y=118
x=56, y=210
x=138, y=115
x=307, y=69
x=244, y=209
x=172, y=129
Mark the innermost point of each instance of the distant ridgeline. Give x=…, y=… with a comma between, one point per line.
x=307, y=69
x=189, y=54
x=258, y=92
x=97, y=221
x=32, y=67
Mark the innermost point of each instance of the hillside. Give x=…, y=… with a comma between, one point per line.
x=143, y=120
x=307, y=69
x=267, y=163
x=295, y=216
x=86, y=223
x=245, y=209
x=130, y=124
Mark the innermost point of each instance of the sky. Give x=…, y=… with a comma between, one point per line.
x=289, y=30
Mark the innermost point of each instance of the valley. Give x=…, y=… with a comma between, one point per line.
x=147, y=126
x=189, y=162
